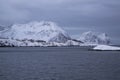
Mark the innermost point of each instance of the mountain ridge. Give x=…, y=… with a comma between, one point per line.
x=45, y=33
x=94, y=38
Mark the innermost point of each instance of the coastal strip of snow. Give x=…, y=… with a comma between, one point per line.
x=106, y=47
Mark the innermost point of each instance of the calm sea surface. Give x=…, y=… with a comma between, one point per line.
x=58, y=63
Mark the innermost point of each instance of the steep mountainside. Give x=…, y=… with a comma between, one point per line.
x=94, y=38
x=46, y=31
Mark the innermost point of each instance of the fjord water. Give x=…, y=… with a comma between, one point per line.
x=58, y=63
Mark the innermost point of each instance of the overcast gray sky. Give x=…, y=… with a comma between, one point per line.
x=75, y=16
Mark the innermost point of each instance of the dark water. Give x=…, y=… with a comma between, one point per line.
x=58, y=63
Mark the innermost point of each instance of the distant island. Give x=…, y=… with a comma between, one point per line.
x=47, y=33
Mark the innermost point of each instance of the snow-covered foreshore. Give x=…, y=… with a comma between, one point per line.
x=106, y=48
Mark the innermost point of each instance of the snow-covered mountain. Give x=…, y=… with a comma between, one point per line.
x=36, y=34
x=94, y=38
x=46, y=31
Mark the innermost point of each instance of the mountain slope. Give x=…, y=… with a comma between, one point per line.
x=46, y=31
x=94, y=38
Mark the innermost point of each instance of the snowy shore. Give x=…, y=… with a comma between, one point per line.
x=106, y=48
